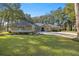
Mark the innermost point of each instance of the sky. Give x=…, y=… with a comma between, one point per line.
x=39, y=9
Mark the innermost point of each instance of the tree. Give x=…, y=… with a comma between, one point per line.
x=69, y=11
x=7, y=10
x=77, y=18
x=57, y=15
x=11, y=12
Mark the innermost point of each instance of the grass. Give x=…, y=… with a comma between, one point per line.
x=37, y=45
x=4, y=33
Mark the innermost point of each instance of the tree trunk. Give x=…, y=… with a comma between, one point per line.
x=77, y=18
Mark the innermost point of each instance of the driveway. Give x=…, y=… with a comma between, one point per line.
x=63, y=34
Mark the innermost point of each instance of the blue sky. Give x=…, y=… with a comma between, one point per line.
x=38, y=9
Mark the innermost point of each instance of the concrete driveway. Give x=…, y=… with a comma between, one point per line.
x=63, y=34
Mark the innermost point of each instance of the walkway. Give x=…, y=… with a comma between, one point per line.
x=63, y=34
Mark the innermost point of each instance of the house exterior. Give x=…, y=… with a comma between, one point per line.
x=26, y=27
x=38, y=26
x=22, y=27
x=46, y=27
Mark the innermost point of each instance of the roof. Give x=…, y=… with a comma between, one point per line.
x=50, y=25
x=23, y=23
x=39, y=24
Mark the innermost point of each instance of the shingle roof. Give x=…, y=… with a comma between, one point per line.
x=23, y=23
x=39, y=24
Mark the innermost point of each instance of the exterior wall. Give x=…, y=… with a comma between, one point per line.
x=27, y=28
x=47, y=28
x=37, y=28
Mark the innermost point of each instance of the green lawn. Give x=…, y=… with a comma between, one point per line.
x=36, y=45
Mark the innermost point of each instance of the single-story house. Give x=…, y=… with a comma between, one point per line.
x=38, y=27
x=46, y=27
x=22, y=27
x=29, y=27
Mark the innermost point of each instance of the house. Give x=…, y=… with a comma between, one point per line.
x=38, y=26
x=46, y=27
x=26, y=27
x=22, y=27
x=42, y=27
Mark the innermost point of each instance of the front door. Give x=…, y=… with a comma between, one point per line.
x=42, y=29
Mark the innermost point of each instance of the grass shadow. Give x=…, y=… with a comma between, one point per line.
x=75, y=39
x=37, y=45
